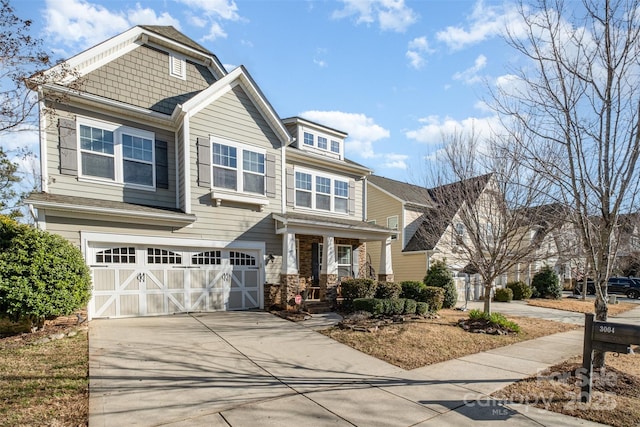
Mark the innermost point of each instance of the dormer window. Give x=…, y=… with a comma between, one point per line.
x=322, y=142
x=177, y=66
x=335, y=147
x=308, y=139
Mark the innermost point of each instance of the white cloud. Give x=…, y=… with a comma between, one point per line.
x=485, y=22
x=417, y=48
x=395, y=161
x=318, y=59
x=435, y=128
x=215, y=32
x=197, y=21
x=223, y=9
x=148, y=16
x=362, y=130
x=470, y=75
x=391, y=15
x=78, y=22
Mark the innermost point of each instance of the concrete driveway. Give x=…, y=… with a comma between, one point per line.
x=252, y=368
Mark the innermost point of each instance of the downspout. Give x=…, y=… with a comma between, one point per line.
x=44, y=173
x=186, y=152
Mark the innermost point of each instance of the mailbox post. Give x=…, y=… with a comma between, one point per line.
x=603, y=336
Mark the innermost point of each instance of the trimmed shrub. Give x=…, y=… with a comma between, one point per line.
x=520, y=290
x=412, y=289
x=440, y=276
x=433, y=296
x=503, y=295
x=388, y=290
x=495, y=318
x=357, y=288
x=371, y=305
x=397, y=305
x=409, y=306
x=545, y=284
x=42, y=275
x=422, y=308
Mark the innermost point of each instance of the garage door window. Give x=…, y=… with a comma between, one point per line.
x=162, y=256
x=240, y=258
x=206, y=258
x=125, y=255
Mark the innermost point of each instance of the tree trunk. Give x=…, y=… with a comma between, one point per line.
x=602, y=314
x=487, y=297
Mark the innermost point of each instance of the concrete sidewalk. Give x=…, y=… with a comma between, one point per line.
x=252, y=368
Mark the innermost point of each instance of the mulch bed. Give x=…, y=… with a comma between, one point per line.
x=53, y=329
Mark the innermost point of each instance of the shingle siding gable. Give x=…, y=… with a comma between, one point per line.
x=141, y=78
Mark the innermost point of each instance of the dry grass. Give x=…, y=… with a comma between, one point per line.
x=615, y=395
x=580, y=306
x=44, y=383
x=415, y=344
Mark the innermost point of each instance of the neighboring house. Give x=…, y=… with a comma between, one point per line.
x=184, y=189
x=549, y=230
x=428, y=224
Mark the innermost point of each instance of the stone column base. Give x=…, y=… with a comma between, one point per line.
x=329, y=288
x=290, y=287
x=385, y=277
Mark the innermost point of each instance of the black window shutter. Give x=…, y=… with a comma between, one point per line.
x=162, y=165
x=68, y=146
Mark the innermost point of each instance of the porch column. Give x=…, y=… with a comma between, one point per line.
x=329, y=270
x=386, y=267
x=289, y=277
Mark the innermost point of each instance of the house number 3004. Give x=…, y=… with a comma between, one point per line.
x=607, y=329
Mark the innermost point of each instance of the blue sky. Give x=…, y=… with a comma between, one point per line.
x=393, y=74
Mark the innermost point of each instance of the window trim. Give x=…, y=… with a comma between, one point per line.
x=118, y=154
x=332, y=180
x=240, y=148
x=397, y=226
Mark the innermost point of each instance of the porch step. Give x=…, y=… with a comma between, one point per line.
x=317, y=307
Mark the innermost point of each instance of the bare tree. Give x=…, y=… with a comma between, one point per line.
x=22, y=59
x=482, y=215
x=574, y=111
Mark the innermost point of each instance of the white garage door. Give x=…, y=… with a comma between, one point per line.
x=136, y=280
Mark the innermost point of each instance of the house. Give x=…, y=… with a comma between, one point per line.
x=429, y=225
x=548, y=229
x=186, y=191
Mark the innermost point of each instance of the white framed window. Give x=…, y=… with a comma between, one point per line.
x=120, y=154
x=308, y=139
x=238, y=167
x=392, y=223
x=322, y=142
x=335, y=147
x=177, y=66
x=318, y=191
x=344, y=255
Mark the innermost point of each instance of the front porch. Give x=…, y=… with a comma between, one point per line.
x=319, y=252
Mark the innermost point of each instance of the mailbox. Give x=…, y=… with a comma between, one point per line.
x=604, y=336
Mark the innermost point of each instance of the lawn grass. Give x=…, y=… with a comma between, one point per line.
x=416, y=344
x=580, y=306
x=45, y=384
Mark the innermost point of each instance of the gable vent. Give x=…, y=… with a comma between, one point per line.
x=177, y=67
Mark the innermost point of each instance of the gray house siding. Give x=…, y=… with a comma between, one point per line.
x=235, y=118
x=141, y=77
x=63, y=183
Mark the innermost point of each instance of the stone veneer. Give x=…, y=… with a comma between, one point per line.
x=289, y=289
x=385, y=277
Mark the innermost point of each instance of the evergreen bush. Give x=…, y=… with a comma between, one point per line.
x=503, y=295
x=440, y=276
x=388, y=290
x=357, y=288
x=422, y=308
x=433, y=296
x=412, y=289
x=520, y=290
x=545, y=284
x=42, y=275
